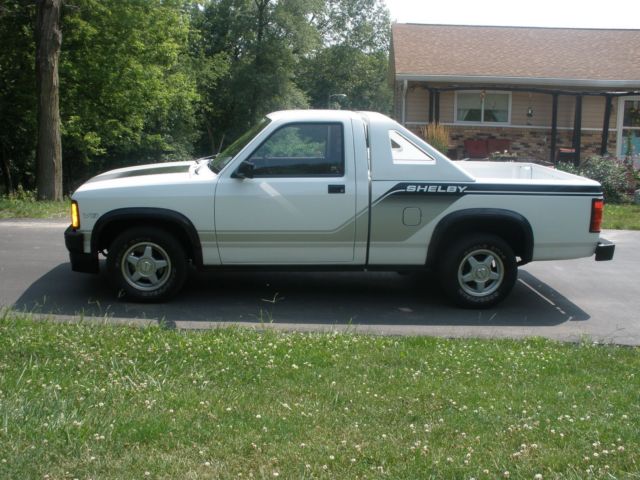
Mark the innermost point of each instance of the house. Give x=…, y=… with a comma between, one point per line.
x=542, y=93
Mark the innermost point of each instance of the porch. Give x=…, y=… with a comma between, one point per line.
x=542, y=123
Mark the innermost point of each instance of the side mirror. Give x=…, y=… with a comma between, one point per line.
x=244, y=170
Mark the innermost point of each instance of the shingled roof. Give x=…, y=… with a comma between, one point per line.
x=517, y=55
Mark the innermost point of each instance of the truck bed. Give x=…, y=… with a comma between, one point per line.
x=516, y=171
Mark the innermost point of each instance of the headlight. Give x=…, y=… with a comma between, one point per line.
x=75, y=215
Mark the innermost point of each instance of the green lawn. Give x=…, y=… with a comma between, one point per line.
x=621, y=217
x=82, y=401
x=24, y=205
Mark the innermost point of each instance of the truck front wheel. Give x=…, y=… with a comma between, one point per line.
x=478, y=271
x=147, y=264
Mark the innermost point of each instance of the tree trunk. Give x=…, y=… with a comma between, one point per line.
x=49, y=149
x=6, y=170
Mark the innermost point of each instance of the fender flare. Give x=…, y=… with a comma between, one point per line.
x=510, y=225
x=158, y=216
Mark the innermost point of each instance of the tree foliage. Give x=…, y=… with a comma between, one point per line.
x=353, y=57
x=148, y=80
x=17, y=93
x=129, y=93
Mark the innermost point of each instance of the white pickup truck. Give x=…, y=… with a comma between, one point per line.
x=333, y=190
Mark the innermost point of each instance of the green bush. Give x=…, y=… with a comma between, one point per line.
x=437, y=136
x=615, y=177
x=24, y=204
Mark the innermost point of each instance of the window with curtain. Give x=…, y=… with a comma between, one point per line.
x=479, y=107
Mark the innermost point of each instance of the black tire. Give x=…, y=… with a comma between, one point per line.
x=146, y=265
x=478, y=271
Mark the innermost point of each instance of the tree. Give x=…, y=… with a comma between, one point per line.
x=353, y=58
x=17, y=93
x=130, y=88
x=49, y=148
x=264, y=42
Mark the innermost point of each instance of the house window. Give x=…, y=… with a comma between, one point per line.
x=483, y=107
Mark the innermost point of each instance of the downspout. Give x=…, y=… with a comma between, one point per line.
x=405, y=85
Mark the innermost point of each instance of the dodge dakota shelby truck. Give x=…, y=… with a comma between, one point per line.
x=333, y=190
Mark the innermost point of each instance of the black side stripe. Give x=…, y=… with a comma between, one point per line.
x=460, y=189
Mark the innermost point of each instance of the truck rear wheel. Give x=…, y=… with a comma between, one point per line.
x=147, y=264
x=478, y=271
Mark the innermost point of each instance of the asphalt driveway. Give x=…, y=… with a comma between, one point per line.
x=566, y=300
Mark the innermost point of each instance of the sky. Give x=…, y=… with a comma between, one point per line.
x=530, y=13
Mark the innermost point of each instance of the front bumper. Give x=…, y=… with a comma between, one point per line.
x=80, y=261
x=604, y=250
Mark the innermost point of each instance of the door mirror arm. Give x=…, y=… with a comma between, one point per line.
x=244, y=170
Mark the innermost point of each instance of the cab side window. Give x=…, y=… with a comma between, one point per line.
x=301, y=150
x=403, y=151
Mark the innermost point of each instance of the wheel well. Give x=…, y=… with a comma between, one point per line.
x=512, y=227
x=112, y=225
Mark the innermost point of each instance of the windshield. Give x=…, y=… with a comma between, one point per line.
x=223, y=158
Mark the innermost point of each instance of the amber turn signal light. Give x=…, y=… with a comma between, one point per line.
x=75, y=215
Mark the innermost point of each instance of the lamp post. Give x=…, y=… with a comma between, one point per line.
x=338, y=97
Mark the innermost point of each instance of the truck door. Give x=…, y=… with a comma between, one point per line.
x=298, y=207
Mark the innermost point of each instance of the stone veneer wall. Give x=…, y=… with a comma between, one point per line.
x=533, y=143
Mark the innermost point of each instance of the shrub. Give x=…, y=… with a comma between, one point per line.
x=504, y=155
x=437, y=136
x=616, y=179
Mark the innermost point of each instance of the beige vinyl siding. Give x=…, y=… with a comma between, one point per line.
x=447, y=102
x=540, y=105
x=593, y=112
x=417, y=109
x=417, y=104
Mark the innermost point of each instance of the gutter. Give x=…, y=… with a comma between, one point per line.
x=563, y=82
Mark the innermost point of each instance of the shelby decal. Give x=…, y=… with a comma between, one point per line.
x=435, y=188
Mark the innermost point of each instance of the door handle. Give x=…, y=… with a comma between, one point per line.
x=336, y=189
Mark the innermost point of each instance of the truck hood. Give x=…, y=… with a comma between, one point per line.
x=171, y=173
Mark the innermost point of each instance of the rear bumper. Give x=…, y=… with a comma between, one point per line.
x=80, y=261
x=604, y=250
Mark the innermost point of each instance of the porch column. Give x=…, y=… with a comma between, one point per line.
x=577, y=130
x=605, y=125
x=437, y=107
x=554, y=128
x=404, y=102
x=431, y=104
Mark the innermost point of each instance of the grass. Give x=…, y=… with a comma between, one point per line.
x=622, y=217
x=24, y=205
x=87, y=401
